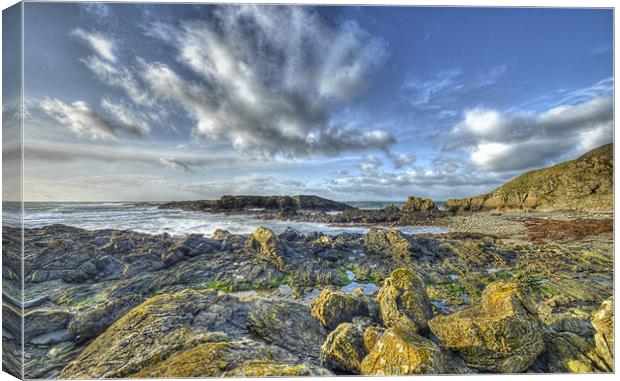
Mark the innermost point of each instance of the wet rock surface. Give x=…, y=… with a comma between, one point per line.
x=113, y=303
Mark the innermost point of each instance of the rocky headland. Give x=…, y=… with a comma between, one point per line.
x=583, y=184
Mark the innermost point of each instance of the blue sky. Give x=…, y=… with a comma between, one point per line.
x=159, y=102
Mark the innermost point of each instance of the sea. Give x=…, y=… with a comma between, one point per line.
x=147, y=218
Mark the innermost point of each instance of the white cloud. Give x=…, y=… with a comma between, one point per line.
x=131, y=121
x=500, y=142
x=269, y=79
x=101, y=44
x=80, y=118
x=371, y=164
x=113, y=75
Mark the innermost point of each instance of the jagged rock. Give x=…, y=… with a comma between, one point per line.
x=163, y=326
x=288, y=325
x=388, y=242
x=267, y=246
x=226, y=359
x=334, y=307
x=417, y=205
x=93, y=321
x=188, y=247
x=403, y=302
x=603, y=322
x=44, y=321
x=220, y=235
x=567, y=352
x=344, y=349
x=501, y=334
x=400, y=352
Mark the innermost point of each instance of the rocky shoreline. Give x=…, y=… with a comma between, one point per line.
x=112, y=303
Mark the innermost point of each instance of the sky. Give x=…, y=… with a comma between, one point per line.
x=156, y=102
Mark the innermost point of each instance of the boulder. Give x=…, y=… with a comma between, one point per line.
x=267, y=246
x=399, y=352
x=603, y=322
x=344, y=349
x=501, y=334
x=389, y=242
x=334, y=307
x=157, y=329
x=403, y=302
x=288, y=325
x=222, y=359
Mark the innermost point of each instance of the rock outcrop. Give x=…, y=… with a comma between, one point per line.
x=417, y=205
x=288, y=325
x=603, y=322
x=289, y=204
x=582, y=184
x=403, y=302
x=333, y=307
x=389, y=242
x=399, y=352
x=268, y=246
x=501, y=334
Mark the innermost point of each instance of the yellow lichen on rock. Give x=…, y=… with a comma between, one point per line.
x=334, y=307
x=344, y=349
x=400, y=352
x=403, y=302
x=501, y=334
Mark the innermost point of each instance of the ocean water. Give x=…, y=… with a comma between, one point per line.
x=145, y=217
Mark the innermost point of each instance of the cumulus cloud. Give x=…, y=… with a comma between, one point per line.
x=101, y=44
x=269, y=77
x=402, y=160
x=370, y=164
x=502, y=142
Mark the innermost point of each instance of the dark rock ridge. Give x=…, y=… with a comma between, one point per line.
x=286, y=204
x=582, y=184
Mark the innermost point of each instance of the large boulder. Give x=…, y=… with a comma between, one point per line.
x=268, y=246
x=568, y=352
x=221, y=359
x=399, y=352
x=389, y=242
x=334, y=307
x=501, y=334
x=403, y=302
x=288, y=325
x=603, y=322
x=344, y=349
x=157, y=329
